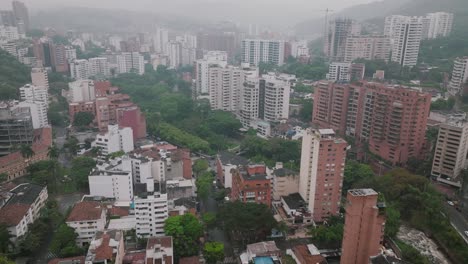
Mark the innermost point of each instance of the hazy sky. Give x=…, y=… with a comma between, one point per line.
x=251, y=10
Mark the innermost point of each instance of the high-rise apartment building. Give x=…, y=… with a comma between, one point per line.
x=79, y=69
x=8, y=33
x=392, y=119
x=38, y=111
x=211, y=59
x=151, y=210
x=391, y=22
x=322, y=168
x=131, y=62
x=459, y=76
x=7, y=18
x=440, y=24
x=21, y=15
x=112, y=180
x=34, y=93
x=335, y=40
x=222, y=41
x=255, y=51
x=407, y=37
x=70, y=53
x=99, y=67
x=58, y=57
x=160, y=40
x=174, y=51
x=339, y=71
x=367, y=47
x=364, y=226
x=15, y=127
x=81, y=91
x=451, y=151
x=115, y=139
x=40, y=78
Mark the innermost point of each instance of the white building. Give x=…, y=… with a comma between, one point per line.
x=174, y=52
x=451, y=150
x=459, y=75
x=226, y=162
x=212, y=58
x=160, y=250
x=38, y=110
x=160, y=39
x=299, y=48
x=39, y=77
x=277, y=93
x=70, y=53
x=391, y=22
x=255, y=51
x=81, y=91
x=79, y=69
x=114, y=140
x=151, y=210
x=440, y=24
x=146, y=168
x=31, y=92
x=407, y=37
x=339, y=71
x=190, y=41
x=112, y=180
x=284, y=181
x=249, y=101
x=367, y=47
x=22, y=208
x=99, y=67
x=114, y=41
x=131, y=62
x=8, y=33
x=189, y=55
x=87, y=218
x=338, y=31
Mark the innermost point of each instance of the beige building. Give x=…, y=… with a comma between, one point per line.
x=285, y=181
x=451, y=150
x=39, y=77
x=367, y=47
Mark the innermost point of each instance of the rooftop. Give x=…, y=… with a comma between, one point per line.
x=164, y=241
x=306, y=255
x=190, y=260
x=362, y=192
x=228, y=158
x=11, y=214
x=284, y=172
x=85, y=211
x=25, y=193
x=71, y=260
x=294, y=201
x=262, y=248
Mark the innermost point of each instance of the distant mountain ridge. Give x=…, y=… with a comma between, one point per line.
x=377, y=11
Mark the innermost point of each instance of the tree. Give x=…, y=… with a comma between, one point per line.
x=5, y=260
x=213, y=252
x=3, y=177
x=247, y=222
x=355, y=172
x=72, y=145
x=185, y=231
x=63, y=243
x=330, y=234
x=199, y=166
x=209, y=219
x=392, y=222
x=5, y=242
x=204, y=185
x=53, y=152
x=82, y=119
x=80, y=169
x=26, y=151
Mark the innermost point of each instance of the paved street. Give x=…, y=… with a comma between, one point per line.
x=457, y=220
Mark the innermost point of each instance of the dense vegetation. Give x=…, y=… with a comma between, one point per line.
x=13, y=75
x=185, y=231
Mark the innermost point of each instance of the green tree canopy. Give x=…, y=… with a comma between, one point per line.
x=199, y=166
x=82, y=119
x=63, y=244
x=213, y=252
x=185, y=231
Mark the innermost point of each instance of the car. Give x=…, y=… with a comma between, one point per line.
x=451, y=203
x=466, y=233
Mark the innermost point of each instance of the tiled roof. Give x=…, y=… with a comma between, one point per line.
x=84, y=211
x=233, y=159
x=119, y=211
x=165, y=241
x=11, y=214
x=190, y=260
x=74, y=260
x=104, y=251
x=304, y=256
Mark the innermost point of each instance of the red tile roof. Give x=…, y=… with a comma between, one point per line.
x=11, y=214
x=303, y=255
x=119, y=211
x=84, y=211
x=134, y=258
x=104, y=251
x=165, y=241
x=58, y=260
x=190, y=260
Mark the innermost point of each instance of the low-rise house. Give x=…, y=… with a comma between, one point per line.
x=294, y=210
x=107, y=247
x=306, y=254
x=159, y=250
x=87, y=218
x=23, y=208
x=262, y=252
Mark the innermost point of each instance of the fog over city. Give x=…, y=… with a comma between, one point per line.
x=278, y=11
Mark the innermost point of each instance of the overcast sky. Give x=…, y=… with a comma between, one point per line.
x=250, y=10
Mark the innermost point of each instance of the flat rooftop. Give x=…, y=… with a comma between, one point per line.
x=362, y=192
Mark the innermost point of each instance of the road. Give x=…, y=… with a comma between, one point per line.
x=458, y=221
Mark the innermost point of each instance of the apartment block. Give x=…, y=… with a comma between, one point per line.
x=407, y=37
x=368, y=48
x=38, y=111
x=160, y=250
x=250, y=184
x=284, y=181
x=451, y=151
x=255, y=51
x=16, y=127
x=440, y=24
x=22, y=208
x=131, y=62
x=115, y=139
x=392, y=119
x=32, y=93
x=39, y=77
x=87, y=218
x=364, y=226
x=226, y=162
x=81, y=91
x=322, y=168
x=336, y=35
x=202, y=66
x=151, y=211
x=459, y=76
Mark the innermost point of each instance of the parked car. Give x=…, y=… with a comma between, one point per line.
x=451, y=203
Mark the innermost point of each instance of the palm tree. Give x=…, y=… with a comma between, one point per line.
x=53, y=152
x=26, y=151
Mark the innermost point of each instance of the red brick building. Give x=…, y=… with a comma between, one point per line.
x=251, y=185
x=364, y=227
x=392, y=119
x=74, y=108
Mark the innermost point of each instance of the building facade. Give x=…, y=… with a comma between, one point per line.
x=323, y=159
x=335, y=40
x=115, y=139
x=256, y=51
x=151, y=211
x=87, y=218
x=364, y=227
x=407, y=37
x=250, y=184
x=459, y=76
x=202, y=66
x=368, y=48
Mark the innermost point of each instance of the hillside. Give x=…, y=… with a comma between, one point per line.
x=376, y=12
x=13, y=75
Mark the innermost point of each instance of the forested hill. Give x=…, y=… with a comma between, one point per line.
x=13, y=75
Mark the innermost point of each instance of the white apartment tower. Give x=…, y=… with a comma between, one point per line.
x=39, y=77
x=38, y=110
x=451, y=150
x=440, y=24
x=459, y=75
x=174, y=51
x=335, y=40
x=31, y=92
x=276, y=97
x=367, y=47
x=255, y=51
x=112, y=180
x=339, y=71
x=151, y=210
x=81, y=91
x=115, y=139
x=407, y=39
x=211, y=59
x=79, y=69
x=131, y=62
x=160, y=40
x=99, y=67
